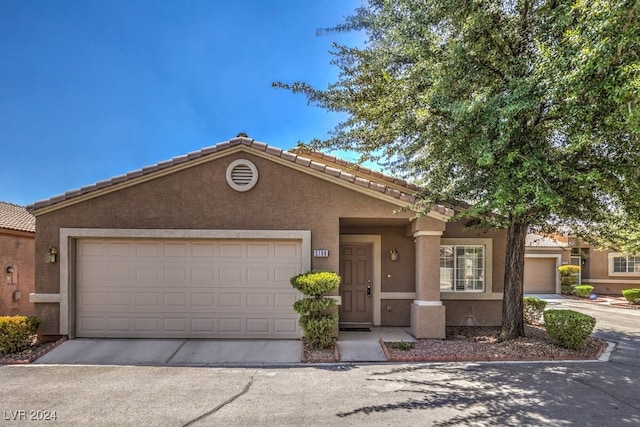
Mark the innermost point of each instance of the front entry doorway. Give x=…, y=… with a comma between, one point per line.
x=356, y=270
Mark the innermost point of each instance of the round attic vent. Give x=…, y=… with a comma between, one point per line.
x=242, y=175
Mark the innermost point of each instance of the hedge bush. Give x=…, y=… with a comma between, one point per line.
x=632, y=295
x=533, y=309
x=568, y=328
x=583, y=291
x=17, y=332
x=317, y=312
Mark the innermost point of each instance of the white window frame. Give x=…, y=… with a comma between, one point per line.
x=612, y=256
x=454, y=287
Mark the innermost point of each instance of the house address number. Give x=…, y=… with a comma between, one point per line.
x=321, y=253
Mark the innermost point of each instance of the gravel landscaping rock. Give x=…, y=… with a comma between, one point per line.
x=481, y=344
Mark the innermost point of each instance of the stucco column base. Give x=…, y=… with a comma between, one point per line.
x=428, y=321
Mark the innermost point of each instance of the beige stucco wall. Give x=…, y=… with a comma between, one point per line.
x=199, y=198
x=485, y=308
x=596, y=273
x=17, y=250
x=284, y=198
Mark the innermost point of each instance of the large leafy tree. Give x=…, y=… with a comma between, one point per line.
x=527, y=110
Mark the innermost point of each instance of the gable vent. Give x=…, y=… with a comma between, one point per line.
x=242, y=175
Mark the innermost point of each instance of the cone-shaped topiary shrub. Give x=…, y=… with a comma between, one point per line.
x=317, y=312
x=568, y=277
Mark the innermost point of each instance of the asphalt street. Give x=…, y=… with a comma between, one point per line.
x=451, y=394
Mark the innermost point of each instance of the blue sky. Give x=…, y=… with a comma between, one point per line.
x=94, y=89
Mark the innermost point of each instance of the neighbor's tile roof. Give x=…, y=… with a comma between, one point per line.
x=315, y=161
x=14, y=217
x=539, y=241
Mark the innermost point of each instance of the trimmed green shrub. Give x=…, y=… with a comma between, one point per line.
x=583, y=291
x=569, y=270
x=568, y=328
x=318, y=331
x=568, y=278
x=566, y=289
x=315, y=283
x=632, y=295
x=317, y=312
x=307, y=305
x=533, y=309
x=17, y=332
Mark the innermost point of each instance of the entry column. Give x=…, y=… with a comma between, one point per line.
x=427, y=311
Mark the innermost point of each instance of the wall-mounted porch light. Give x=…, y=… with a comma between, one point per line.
x=393, y=254
x=10, y=269
x=51, y=254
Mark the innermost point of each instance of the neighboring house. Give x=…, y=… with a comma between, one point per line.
x=543, y=256
x=609, y=272
x=204, y=245
x=17, y=248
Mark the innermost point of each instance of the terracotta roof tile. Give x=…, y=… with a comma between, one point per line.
x=14, y=217
x=303, y=161
x=274, y=150
x=539, y=241
x=332, y=171
x=328, y=164
x=318, y=166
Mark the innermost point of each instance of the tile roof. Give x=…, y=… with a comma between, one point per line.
x=315, y=161
x=539, y=241
x=14, y=217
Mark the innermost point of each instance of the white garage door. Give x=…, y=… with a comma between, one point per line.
x=540, y=275
x=186, y=289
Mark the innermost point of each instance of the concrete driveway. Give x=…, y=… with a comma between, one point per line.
x=355, y=347
x=174, y=352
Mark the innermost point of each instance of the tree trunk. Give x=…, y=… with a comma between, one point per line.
x=512, y=305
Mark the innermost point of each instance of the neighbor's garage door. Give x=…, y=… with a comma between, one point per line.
x=183, y=289
x=540, y=275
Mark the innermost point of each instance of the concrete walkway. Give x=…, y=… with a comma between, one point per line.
x=355, y=347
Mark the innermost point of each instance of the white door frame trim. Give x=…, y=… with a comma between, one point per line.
x=67, y=234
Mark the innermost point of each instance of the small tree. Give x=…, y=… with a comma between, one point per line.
x=317, y=311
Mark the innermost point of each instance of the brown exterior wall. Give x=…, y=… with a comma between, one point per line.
x=17, y=250
x=397, y=276
x=395, y=312
x=474, y=313
x=458, y=230
x=199, y=198
x=595, y=272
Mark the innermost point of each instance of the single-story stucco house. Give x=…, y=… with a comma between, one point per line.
x=17, y=246
x=608, y=271
x=204, y=245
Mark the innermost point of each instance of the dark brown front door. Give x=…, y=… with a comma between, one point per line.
x=356, y=288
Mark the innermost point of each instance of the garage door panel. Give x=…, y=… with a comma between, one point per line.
x=183, y=289
x=540, y=275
